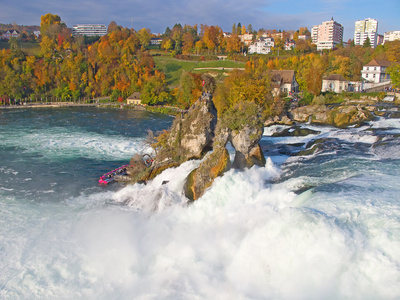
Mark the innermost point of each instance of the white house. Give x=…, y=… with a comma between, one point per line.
x=156, y=41
x=11, y=33
x=375, y=71
x=334, y=83
x=262, y=46
x=134, y=99
x=284, y=81
x=289, y=44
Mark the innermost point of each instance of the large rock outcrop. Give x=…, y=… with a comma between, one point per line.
x=243, y=136
x=248, y=151
x=198, y=132
x=338, y=116
x=196, y=129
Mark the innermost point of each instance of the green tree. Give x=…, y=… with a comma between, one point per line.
x=189, y=89
x=234, y=29
x=47, y=47
x=155, y=91
x=394, y=72
x=239, y=29
x=46, y=24
x=144, y=37
x=367, y=43
x=167, y=44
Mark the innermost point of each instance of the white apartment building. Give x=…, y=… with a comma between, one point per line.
x=262, y=46
x=391, y=36
x=89, y=29
x=327, y=35
x=364, y=29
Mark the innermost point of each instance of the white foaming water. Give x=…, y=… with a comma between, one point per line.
x=59, y=143
x=244, y=239
x=392, y=124
x=253, y=235
x=348, y=135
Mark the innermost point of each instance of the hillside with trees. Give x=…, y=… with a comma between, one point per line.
x=120, y=63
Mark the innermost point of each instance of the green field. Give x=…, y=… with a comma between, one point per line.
x=173, y=67
x=28, y=48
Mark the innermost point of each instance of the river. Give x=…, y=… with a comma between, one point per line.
x=318, y=226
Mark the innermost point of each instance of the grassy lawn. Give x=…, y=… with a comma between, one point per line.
x=28, y=48
x=173, y=67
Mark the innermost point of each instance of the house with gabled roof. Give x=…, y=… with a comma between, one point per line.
x=11, y=33
x=375, y=71
x=283, y=81
x=334, y=83
x=134, y=99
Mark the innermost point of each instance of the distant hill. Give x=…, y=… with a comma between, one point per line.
x=20, y=28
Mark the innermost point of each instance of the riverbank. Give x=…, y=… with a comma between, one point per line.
x=50, y=104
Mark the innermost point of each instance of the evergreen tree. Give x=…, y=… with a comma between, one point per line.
x=234, y=28
x=239, y=28
x=367, y=43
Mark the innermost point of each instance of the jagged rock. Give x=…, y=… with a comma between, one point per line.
x=245, y=142
x=283, y=120
x=344, y=116
x=202, y=178
x=295, y=131
x=340, y=116
x=315, y=114
x=193, y=133
x=198, y=128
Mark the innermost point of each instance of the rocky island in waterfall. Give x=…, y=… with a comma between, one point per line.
x=199, y=132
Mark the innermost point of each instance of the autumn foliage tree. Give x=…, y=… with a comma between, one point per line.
x=68, y=69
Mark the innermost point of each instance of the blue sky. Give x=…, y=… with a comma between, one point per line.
x=158, y=14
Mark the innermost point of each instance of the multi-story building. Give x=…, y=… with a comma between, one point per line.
x=327, y=35
x=391, y=36
x=380, y=39
x=246, y=38
x=89, y=29
x=364, y=29
x=262, y=46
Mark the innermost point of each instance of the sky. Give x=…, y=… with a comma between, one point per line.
x=157, y=15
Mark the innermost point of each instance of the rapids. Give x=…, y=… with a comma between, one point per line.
x=318, y=226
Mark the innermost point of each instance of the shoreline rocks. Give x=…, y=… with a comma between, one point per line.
x=340, y=116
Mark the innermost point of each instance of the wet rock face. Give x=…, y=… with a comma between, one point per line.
x=340, y=116
x=345, y=116
x=197, y=128
x=295, y=131
x=202, y=178
x=248, y=152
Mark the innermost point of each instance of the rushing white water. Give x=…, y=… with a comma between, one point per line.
x=323, y=226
